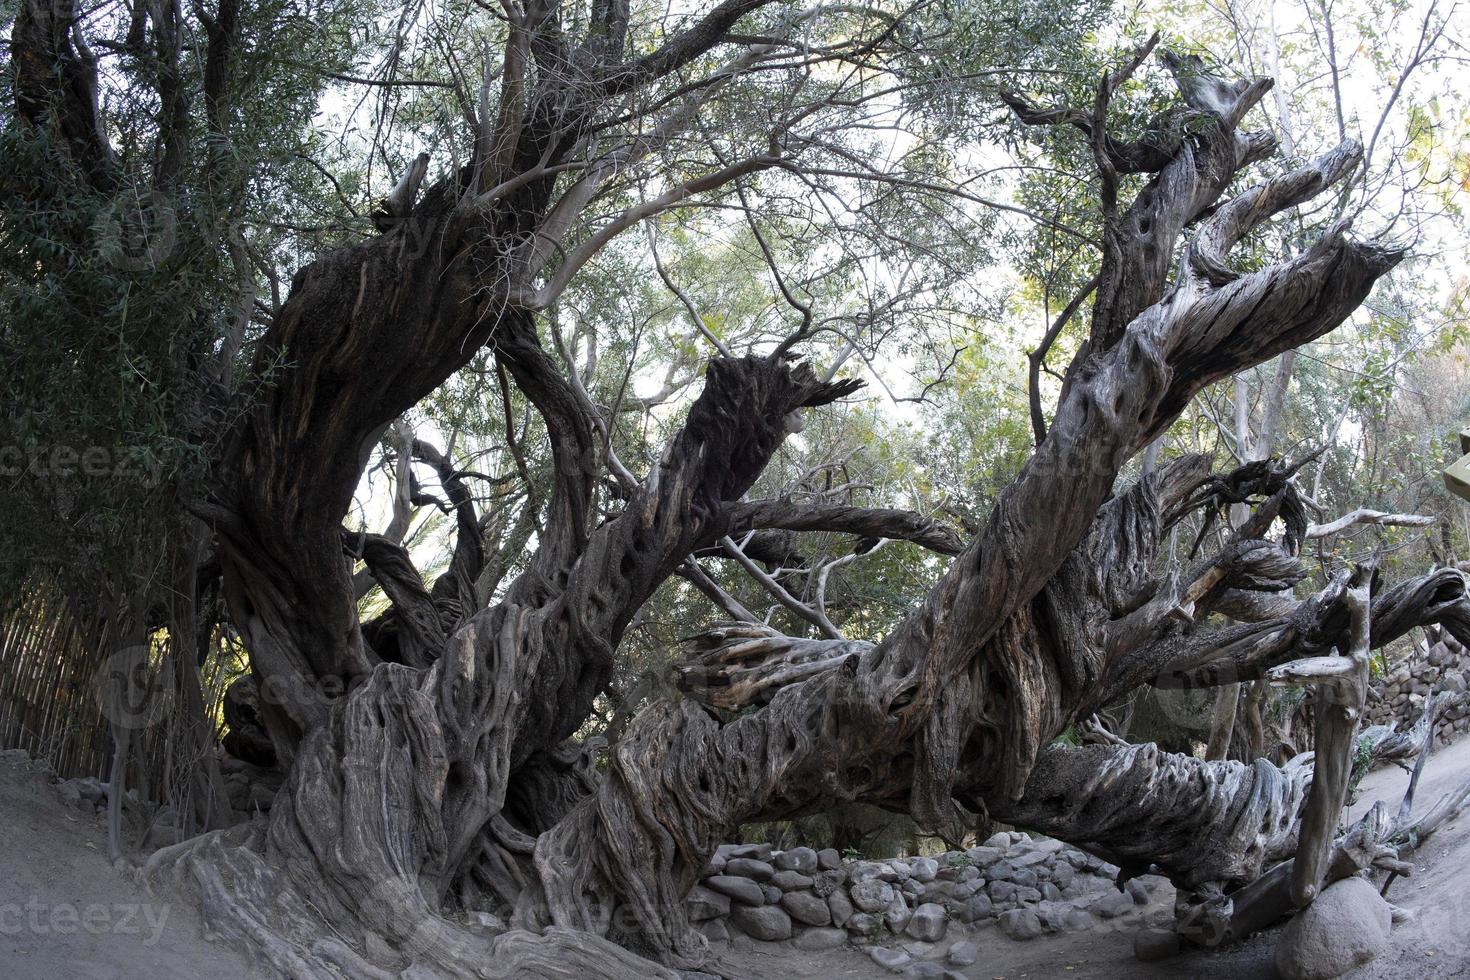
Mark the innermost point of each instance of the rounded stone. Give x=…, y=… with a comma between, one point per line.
x=1020, y=924
x=1345, y=927
x=938, y=891
x=828, y=859
x=1001, y=891
x=862, y=924
x=802, y=859
x=749, y=868
x=757, y=852
x=742, y=890
x=896, y=915
x=890, y=959
x=872, y=896
x=1112, y=905
x=1052, y=915
x=924, y=869
x=767, y=923
x=928, y=923
x=703, y=903
x=962, y=953
x=976, y=907
x=840, y=906
x=807, y=908
x=790, y=881
x=819, y=939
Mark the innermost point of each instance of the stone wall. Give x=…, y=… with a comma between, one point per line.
x=819, y=900
x=1397, y=697
x=934, y=907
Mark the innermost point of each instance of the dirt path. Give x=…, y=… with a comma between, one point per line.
x=1437, y=943
x=66, y=913
x=1097, y=954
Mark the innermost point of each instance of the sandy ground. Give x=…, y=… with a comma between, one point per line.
x=1437, y=943
x=1102, y=954
x=65, y=912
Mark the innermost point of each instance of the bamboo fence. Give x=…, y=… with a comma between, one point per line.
x=48, y=690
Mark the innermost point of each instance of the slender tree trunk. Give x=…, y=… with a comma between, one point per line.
x=1251, y=448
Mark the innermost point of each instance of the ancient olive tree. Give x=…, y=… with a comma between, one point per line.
x=428, y=761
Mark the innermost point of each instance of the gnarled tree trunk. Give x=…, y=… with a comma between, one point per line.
x=431, y=781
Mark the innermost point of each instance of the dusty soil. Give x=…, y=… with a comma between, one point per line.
x=1437, y=943
x=66, y=912
x=1099, y=954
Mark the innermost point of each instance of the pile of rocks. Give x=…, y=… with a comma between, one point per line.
x=819, y=900
x=1398, y=696
x=90, y=795
x=249, y=787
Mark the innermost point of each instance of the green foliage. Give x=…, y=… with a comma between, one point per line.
x=1069, y=737
x=1362, y=755
x=113, y=305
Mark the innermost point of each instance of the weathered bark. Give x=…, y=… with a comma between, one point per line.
x=1341, y=690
